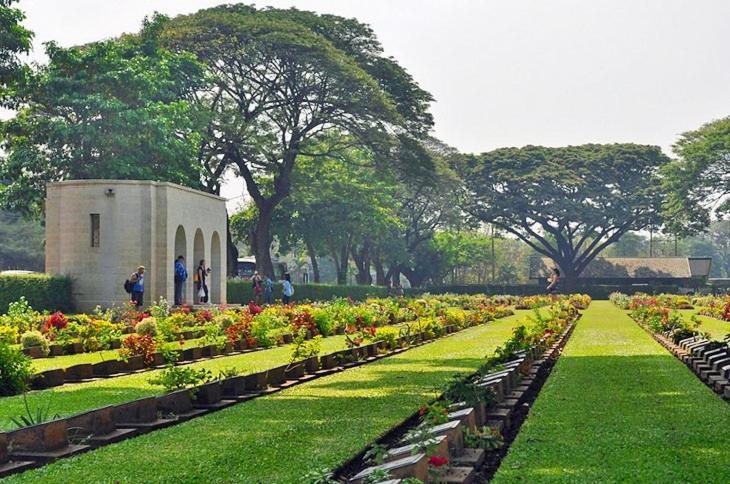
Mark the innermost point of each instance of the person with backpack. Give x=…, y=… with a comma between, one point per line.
x=135, y=286
x=181, y=275
x=287, y=289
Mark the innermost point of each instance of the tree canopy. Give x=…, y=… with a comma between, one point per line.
x=112, y=109
x=14, y=40
x=281, y=81
x=567, y=203
x=698, y=183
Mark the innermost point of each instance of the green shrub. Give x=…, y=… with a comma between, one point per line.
x=21, y=316
x=389, y=336
x=148, y=327
x=35, y=338
x=326, y=325
x=15, y=370
x=267, y=326
x=8, y=334
x=43, y=292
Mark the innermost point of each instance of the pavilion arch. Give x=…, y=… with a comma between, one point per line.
x=198, y=255
x=217, y=278
x=181, y=249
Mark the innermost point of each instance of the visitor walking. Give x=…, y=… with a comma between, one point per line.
x=258, y=288
x=201, y=276
x=137, y=282
x=305, y=275
x=553, y=280
x=181, y=275
x=268, y=290
x=287, y=289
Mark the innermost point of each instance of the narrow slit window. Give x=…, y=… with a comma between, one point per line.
x=95, y=230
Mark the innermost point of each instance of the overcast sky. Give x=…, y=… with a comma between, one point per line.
x=508, y=72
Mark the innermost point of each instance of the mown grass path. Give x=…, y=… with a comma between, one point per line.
x=279, y=438
x=619, y=408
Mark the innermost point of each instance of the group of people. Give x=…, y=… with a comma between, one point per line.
x=135, y=284
x=263, y=288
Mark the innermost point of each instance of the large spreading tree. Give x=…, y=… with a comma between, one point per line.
x=111, y=109
x=698, y=182
x=14, y=40
x=568, y=203
x=283, y=80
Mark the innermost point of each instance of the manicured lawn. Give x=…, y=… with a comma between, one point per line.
x=279, y=438
x=620, y=408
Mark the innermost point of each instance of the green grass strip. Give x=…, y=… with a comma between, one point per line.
x=78, y=397
x=716, y=328
x=279, y=438
x=619, y=408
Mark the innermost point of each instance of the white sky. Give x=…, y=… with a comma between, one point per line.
x=508, y=72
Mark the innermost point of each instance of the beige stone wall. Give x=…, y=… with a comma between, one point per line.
x=138, y=226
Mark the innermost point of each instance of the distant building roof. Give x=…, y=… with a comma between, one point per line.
x=632, y=268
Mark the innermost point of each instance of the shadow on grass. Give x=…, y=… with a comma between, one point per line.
x=622, y=419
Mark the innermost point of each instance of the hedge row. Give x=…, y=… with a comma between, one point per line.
x=42, y=291
x=241, y=292
x=595, y=291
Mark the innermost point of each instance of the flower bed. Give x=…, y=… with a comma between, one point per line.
x=144, y=414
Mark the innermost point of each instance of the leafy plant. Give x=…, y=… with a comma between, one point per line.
x=177, y=377
x=320, y=476
x=485, y=438
x=304, y=348
x=378, y=475
x=147, y=327
x=214, y=335
x=376, y=454
x=435, y=413
x=138, y=345
x=34, y=338
x=468, y=391
x=40, y=414
x=15, y=370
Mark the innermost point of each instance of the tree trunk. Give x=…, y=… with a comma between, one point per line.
x=380, y=278
x=232, y=252
x=313, y=259
x=413, y=277
x=262, y=240
x=362, y=262
x=342, y=268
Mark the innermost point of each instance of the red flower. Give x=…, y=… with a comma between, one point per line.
x=422, y=411
x=254, y=309
x=56, y=321
x=437, y=461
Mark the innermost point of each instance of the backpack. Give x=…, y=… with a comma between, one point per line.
x=128, y=286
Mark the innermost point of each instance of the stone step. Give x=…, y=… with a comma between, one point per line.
x=15, y=467
x=459, y=475
x=411, y=466
x=470, y=458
